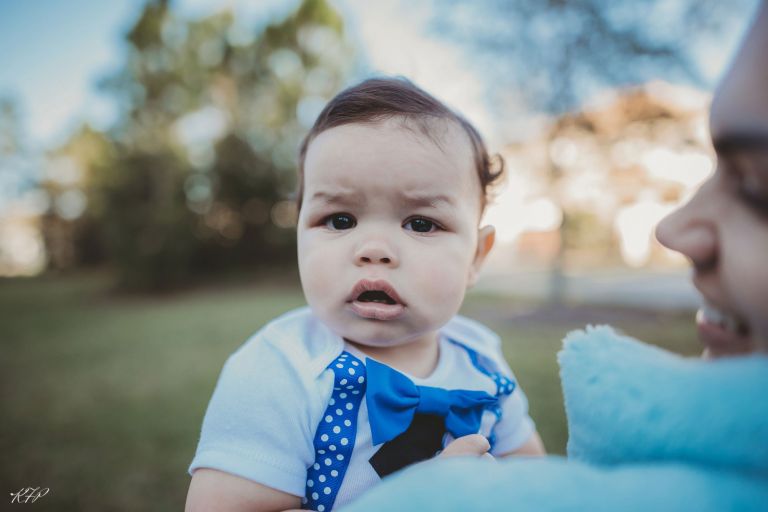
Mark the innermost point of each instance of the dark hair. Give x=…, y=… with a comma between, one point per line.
x=378, y=99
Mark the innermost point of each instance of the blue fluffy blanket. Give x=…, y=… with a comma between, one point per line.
x=649, y=430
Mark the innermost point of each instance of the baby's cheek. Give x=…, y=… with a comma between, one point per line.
x=443, y=284
x=316, y=275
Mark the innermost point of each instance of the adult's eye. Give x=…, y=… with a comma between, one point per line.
x=744, y=174
x=340, y=221
x=753, y=198
x=420, y=225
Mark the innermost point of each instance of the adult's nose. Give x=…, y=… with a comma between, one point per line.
x=692, y=229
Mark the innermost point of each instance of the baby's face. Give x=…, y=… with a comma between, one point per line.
x=388, y=231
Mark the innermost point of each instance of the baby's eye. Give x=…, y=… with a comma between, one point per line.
x=340, y=221
x=421, y=225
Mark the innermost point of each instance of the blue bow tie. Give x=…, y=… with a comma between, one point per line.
x=393, y=399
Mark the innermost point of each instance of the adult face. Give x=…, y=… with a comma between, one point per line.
x=723, y=230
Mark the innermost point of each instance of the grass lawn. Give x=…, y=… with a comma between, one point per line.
x=103, y=395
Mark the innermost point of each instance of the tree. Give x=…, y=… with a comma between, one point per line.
x=202, y=159
x=556, y=53
x=70, y=226
x=548, y=56
x=20, y=244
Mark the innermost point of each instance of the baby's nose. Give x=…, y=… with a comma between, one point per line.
x=375, y=252
x=375, y=259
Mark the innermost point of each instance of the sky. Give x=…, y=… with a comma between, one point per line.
x=54, y=52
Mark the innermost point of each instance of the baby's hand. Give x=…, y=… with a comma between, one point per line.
x=473, y=445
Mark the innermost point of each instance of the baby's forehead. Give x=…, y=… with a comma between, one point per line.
x=432, y=134
x=410, y=139
x=438, y=130
x=407, y=155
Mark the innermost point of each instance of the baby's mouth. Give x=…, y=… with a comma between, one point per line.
x=377, y=296
x=375, y=300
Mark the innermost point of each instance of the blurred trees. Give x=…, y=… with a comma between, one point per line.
x=71, y=225
x=15, y=154
x=549, y=56
x=622, y=164
x=11, y=148
x=10, y=129
x=21, y=245
x=196, y=175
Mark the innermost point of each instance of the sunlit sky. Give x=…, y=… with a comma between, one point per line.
x=52, y=53
x=55, y=52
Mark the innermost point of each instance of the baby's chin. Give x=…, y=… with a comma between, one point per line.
x=376, y=341
x=363, y=343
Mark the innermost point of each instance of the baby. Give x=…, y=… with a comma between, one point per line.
x=378, y=372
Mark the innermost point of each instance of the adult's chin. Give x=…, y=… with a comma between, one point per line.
x=719, y=343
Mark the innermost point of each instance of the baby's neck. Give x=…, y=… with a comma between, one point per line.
x=417, y=358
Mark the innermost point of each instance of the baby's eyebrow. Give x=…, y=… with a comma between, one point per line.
x=326, y=197
x=433, y=200
x=410, y=199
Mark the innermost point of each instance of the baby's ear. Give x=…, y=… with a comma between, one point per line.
x=486, y=237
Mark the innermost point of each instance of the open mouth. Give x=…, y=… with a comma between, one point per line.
x=375, y=300
x=377, y=296
x=725, y=321
x=721, y=332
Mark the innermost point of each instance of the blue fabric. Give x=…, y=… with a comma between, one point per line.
x=393, y=399
x=631, y=402
x=271, y=395
x=504, y=385
x=336, y=433
x=649, y=431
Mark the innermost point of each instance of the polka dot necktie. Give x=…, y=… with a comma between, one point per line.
x=335, y=436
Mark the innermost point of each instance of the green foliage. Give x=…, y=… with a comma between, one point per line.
x=197, y=174
x=76, y=242
x=585, y=229
x=103, y=396
x=10, y=129
x=557, y=53
x=148, y=225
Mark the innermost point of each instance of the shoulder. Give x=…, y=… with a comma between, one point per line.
x=472, y=334
x=267, y=402
x=479, y=339
x=295, y=341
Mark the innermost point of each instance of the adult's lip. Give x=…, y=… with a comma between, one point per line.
x=721, y=331
x=375, y=310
